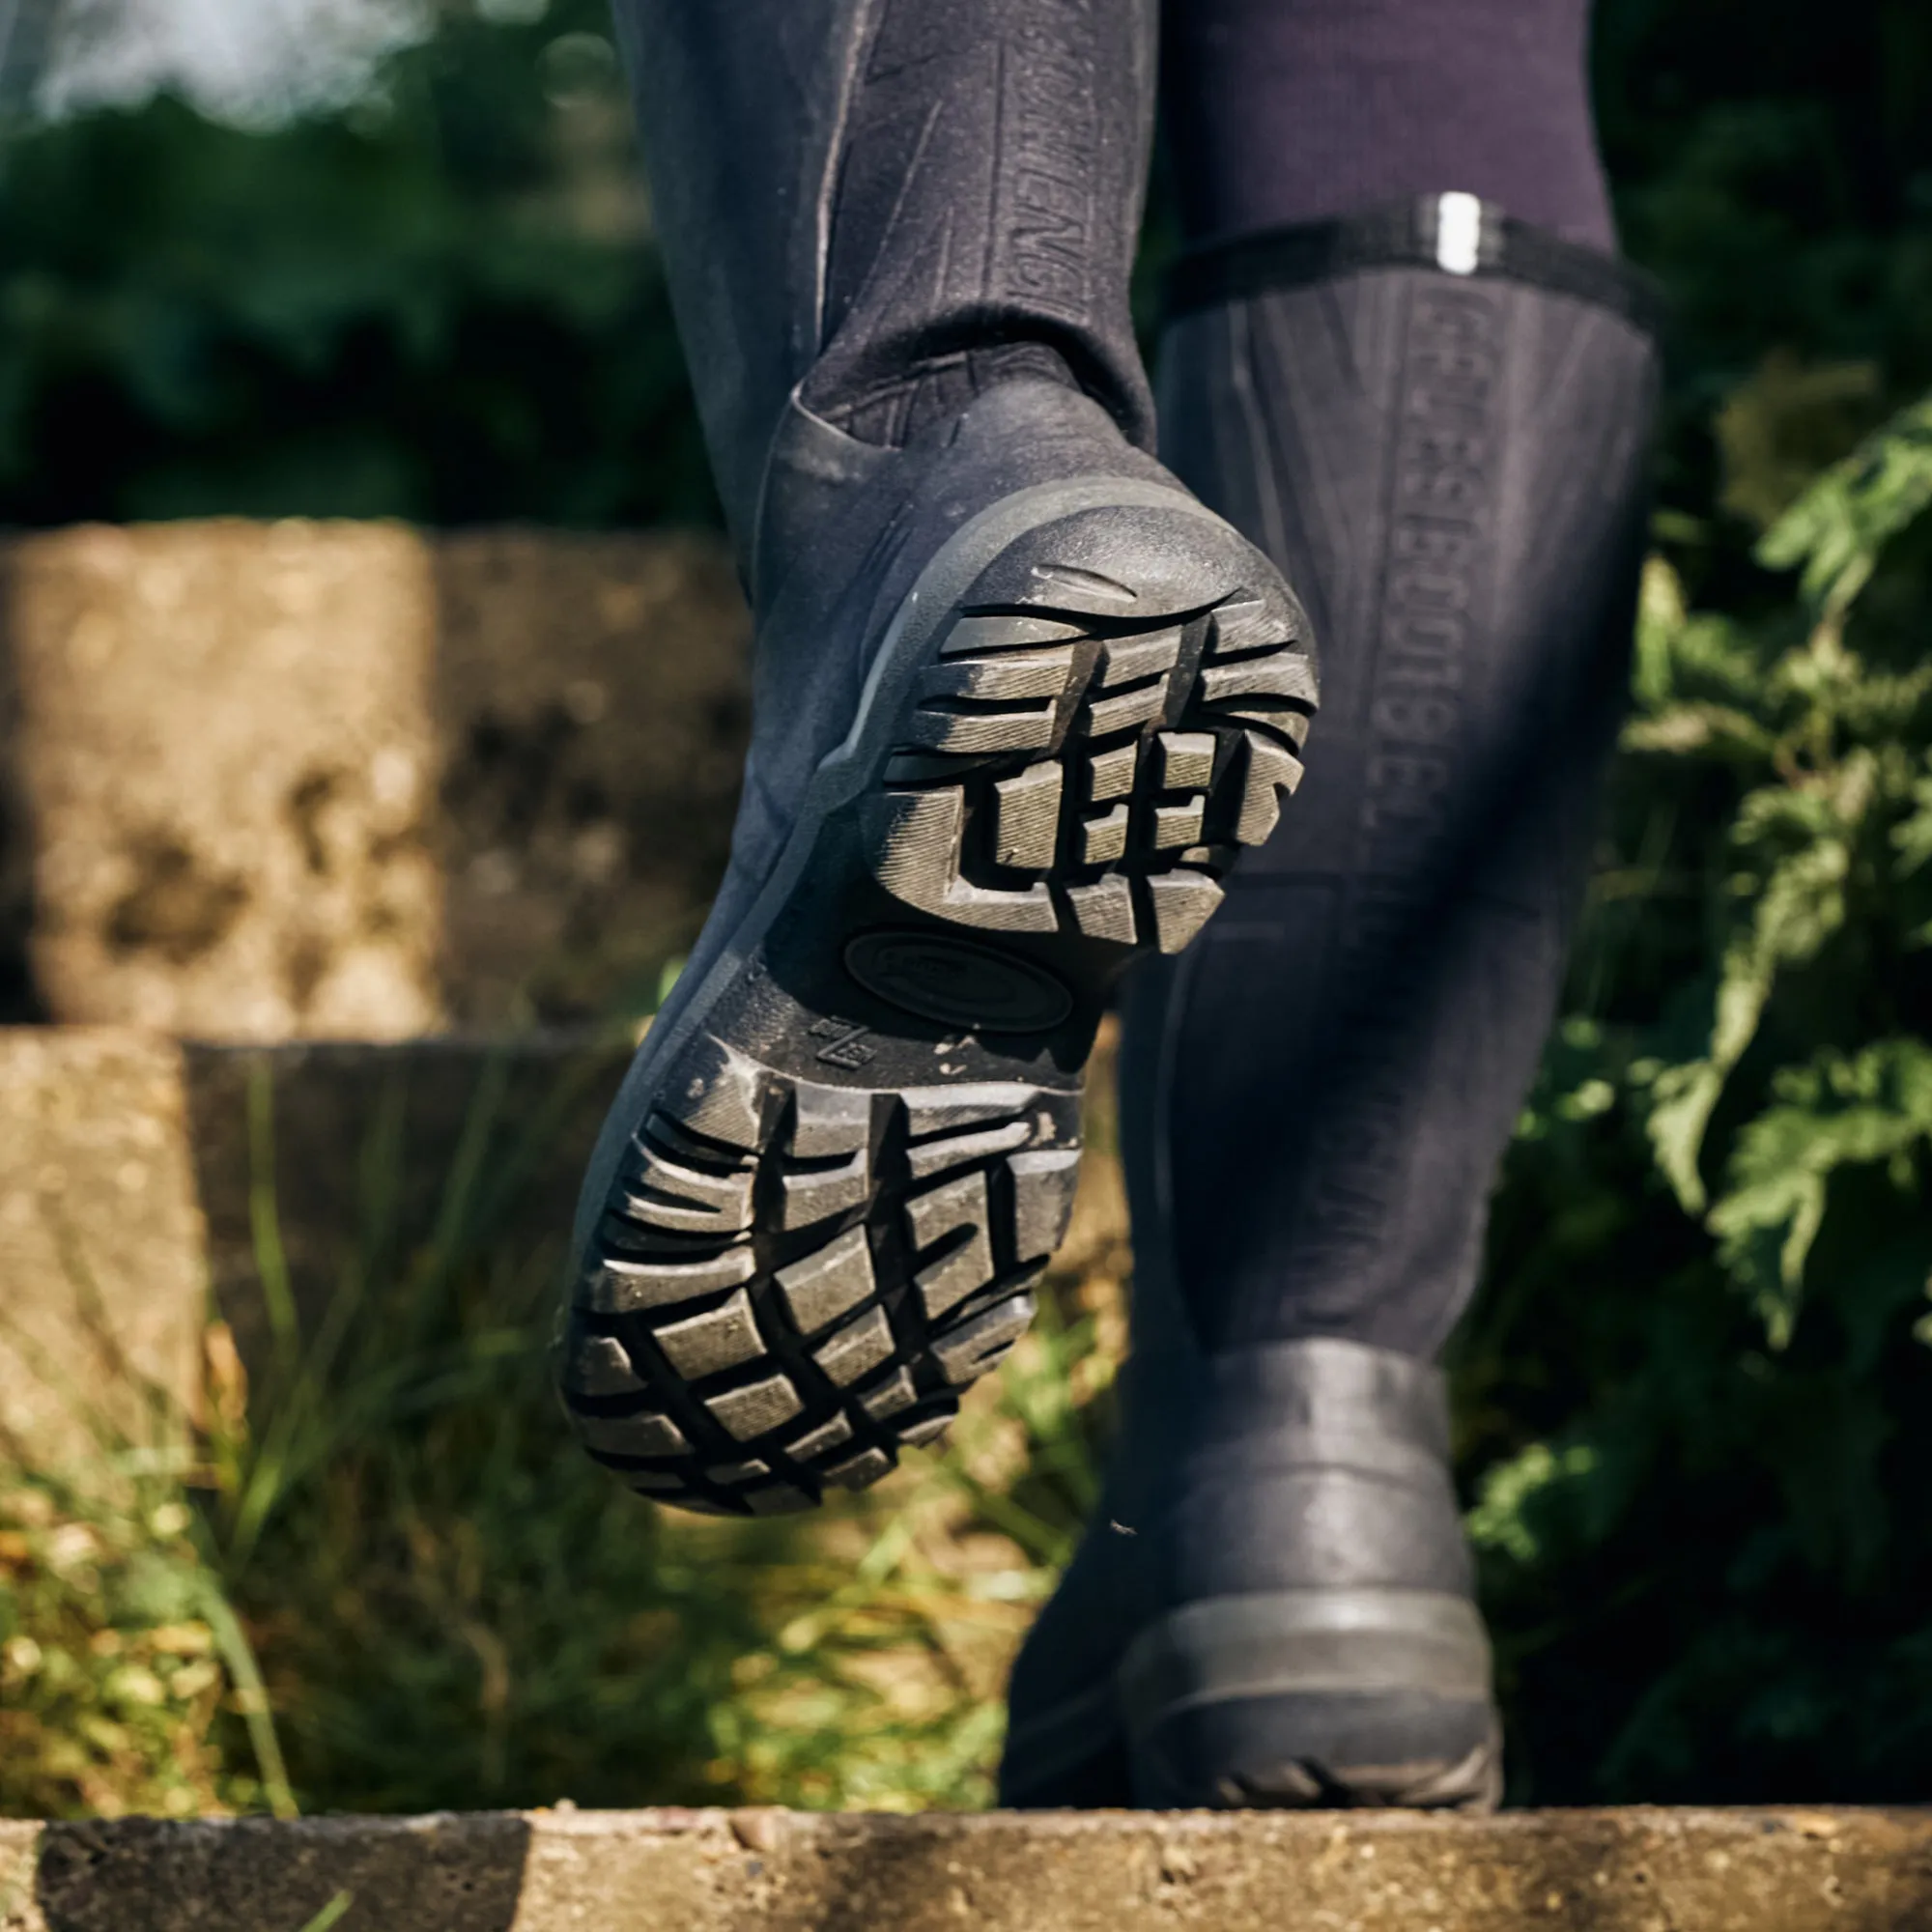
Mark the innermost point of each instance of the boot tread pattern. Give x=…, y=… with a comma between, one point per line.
x=1070, y=768
x=794, y=1281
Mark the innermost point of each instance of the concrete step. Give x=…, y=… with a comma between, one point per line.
x=711, y=1871
x=313, y=780
x=135, y=1171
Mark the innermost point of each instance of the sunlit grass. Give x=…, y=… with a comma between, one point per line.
x=449, y=1606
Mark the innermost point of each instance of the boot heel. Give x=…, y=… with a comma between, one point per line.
x=1315, y=1697
x=1116, y=706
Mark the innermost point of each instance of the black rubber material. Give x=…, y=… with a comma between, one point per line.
x=1451, y=470
x=1275, y=1605
x=1408, y=235
x=1324, y=1695
x=871, y=211
x=1351, y=1749
x=863, y=1127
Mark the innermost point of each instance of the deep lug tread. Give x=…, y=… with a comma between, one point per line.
x=888, y=1397
x=793, y=1278
x=851, y=1354
x=966, y=1352
x=1163, y=725
x=757, y=1372
x=928, y=1431
x=709, y=1344
x=827, y=1286
x=597, y=1368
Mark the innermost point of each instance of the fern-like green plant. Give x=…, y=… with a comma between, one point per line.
x=1823, y=850
x=1696, y=1416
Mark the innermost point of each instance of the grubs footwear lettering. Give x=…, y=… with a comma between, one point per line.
x=1314, y=1099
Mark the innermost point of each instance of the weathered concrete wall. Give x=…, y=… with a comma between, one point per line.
x=593, y=699
x=324, y=782
x=1582, y=1871
x=264, y=781
x=128, y=1166
x=230, y=768
x=101, y=1237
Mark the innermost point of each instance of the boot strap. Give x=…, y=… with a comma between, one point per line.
x=1455, y=234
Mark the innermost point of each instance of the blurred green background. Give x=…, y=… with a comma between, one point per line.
x=1695, y=1409
x=440, y=304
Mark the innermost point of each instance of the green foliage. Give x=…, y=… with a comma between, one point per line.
x=1850, y=514
x=378, y=1574
x=441, y=305
x=113, y=1681
x=1772, y=168
x=1827, y=843
x=386, y=1579
x=1693, y=1400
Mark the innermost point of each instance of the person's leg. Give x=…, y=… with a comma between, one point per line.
x=1287, y=111
x=1454, y=465
x=1436, y=415
x=995, y=750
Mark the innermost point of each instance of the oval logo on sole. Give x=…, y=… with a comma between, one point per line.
x=957, y=982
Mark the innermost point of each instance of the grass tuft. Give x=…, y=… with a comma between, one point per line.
x=383, y=1578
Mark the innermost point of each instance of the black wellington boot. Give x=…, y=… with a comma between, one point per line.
x=1438, y=420
x=1019, y=695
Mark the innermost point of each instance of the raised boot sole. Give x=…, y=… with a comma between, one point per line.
x=844, y=1158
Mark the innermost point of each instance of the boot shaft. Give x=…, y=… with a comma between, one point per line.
x=1451, y=463
x=1438, y=426
x=871, y=211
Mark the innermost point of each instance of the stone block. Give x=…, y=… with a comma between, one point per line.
x=310, y=780
x=711, y=1871
x=103, y=1245
x=229, y=766
x=593, y=701
x=136, y=1174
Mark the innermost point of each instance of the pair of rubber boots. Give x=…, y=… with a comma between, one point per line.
x=1021, y=695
